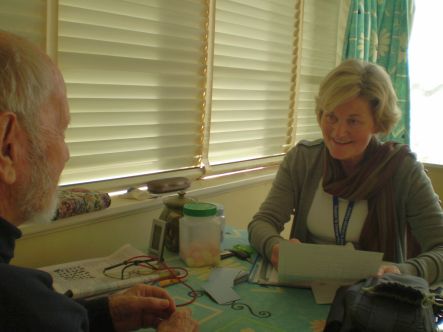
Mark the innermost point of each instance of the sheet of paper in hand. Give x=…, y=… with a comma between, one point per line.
x=304, y=263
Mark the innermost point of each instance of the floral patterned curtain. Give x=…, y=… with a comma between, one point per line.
x=378, y=31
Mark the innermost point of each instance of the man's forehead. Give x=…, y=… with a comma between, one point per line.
x=54, y=113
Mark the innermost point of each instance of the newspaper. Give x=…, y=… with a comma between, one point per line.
x=85, y=278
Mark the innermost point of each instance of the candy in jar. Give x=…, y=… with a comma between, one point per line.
x=200, y=235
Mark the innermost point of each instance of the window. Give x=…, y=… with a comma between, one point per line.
x=426, y=80
x=253, y=90
x=186, y=85
x=324, y=27
x=135, y=82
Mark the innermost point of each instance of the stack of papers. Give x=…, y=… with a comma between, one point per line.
x=321, y=267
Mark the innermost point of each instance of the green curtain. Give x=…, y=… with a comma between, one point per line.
x=378, y=31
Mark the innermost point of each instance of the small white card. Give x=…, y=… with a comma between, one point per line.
x=221, y=282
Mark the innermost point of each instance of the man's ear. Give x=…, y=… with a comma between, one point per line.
x=9, y=143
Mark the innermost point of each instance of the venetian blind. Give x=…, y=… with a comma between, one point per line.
x=323, y=30
x=26, y=18
x=253, y=79
x=134, y=71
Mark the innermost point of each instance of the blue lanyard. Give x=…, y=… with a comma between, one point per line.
x=340, y=236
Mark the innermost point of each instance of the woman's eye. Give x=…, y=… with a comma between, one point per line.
x=353, y=122
x=331, y=118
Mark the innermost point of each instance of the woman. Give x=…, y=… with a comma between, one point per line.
x=350, y=187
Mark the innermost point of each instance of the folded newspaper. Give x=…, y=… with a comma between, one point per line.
x=85, y=278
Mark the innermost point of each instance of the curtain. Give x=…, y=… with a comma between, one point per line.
x=378, y=31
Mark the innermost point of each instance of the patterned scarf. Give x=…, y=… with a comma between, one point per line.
x=371, y=181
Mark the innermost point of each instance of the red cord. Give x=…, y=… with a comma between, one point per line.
x=172, y=275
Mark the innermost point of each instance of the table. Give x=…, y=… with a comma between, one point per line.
x=260, y=308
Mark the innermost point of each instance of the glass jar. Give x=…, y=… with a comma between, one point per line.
x=200, y=235
x=172, y=213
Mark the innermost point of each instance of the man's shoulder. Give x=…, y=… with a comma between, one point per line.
x=30, y=292
x=15, y=275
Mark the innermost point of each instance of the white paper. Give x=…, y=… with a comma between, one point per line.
x=263, y=273
x=305, y=262
x=324, y=292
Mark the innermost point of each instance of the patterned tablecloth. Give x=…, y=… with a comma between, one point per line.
x=260, y=308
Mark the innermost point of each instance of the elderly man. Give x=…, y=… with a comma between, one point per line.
x=34, y=115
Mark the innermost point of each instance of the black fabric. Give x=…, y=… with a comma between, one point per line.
x=29, y=303
x=392, y=303
x=98, y=314
x=8, y=234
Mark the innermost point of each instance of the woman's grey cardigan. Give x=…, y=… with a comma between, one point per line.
x=293, y=191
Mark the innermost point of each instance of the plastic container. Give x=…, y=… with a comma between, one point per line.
x=200, y=235
x=221, y=219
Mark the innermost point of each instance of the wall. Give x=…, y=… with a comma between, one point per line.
x=435, y=172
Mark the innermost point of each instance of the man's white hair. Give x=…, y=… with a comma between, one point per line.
x=26, y=81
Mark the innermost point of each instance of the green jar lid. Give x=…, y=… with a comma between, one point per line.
x=199, y=209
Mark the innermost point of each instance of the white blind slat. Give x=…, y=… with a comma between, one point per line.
x=84, y=134
x=94, y=47
x=111, y=105
x=151, y=10
x=154, y=156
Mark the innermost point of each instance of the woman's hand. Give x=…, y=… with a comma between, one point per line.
x=387, y=269
x=276, y=251
x=140, y=306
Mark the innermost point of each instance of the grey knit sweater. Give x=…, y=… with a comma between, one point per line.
x=293, y=191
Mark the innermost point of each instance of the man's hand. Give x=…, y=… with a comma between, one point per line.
x=180, y=320
x=276, y=252
x=141, y=306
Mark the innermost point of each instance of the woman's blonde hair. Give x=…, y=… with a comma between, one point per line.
x=355, y=78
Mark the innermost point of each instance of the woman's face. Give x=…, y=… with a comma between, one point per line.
x=347, y=131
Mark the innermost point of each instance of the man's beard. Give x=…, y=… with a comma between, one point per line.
x=38, y=202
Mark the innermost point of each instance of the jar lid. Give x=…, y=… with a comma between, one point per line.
x=199, y=209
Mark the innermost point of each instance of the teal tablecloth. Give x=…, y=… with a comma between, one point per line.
x=260, y=308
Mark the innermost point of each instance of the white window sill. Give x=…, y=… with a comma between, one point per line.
x=121, y=206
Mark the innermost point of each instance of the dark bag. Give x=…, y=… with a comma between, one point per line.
x=391, y=303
